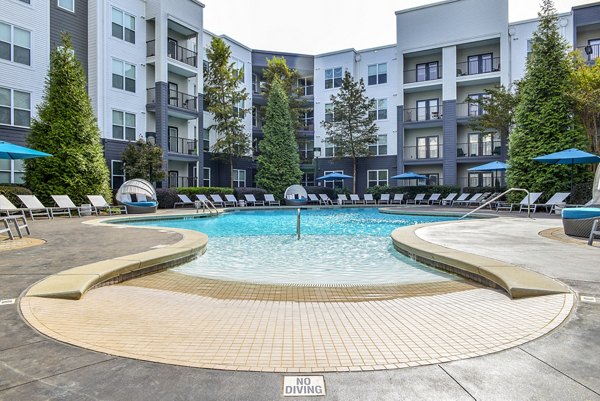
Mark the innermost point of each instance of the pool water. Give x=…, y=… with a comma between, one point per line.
x=337, y=247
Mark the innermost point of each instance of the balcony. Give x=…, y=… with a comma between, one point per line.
x=478, y=66
x=175, y=52
x=479, y=149
x=469, y=110
x=431, y=153
x=183, y=146
x=590, y=52
x=421, y=114
x=178, y=182
x=421, y=75
x=176, y=99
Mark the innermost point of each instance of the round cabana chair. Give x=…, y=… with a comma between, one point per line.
x=295, y=196
x=139, y=196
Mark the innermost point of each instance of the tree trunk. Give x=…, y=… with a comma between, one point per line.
x=231, y=171
x=354, y=175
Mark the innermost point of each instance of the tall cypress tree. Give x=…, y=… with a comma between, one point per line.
x=544, y=116
x=278, y=162
x=65, y=126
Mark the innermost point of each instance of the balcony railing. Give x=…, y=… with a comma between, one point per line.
x=479, y=149
x=175, y=52
x=480, y=66
x=307, y=124
x=419, y=114
x=183, y=146
x=411, y=76
x=432, y=152
x=175, y=99
x=590, y=52
x=465, y=110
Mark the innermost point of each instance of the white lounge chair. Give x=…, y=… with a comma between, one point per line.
x=463, y=197
x=251, y=200
x=476, y=200
x=434, y=198
x=312, y=198
x=36, y=208
x=184, y=200
x=8, y=208
x=326, y=199
x=15, y=221
x=64, y=202
x=419, y=198
x=448, y=199
x=465, y=201
x=558, y=199
x=270, y=199
x=217, y=200
x=398, y=198
x=202, y=198
x=528, y=202
x=385, y=199
x=99, y=204
x=369, y=199
x=356, y=199
x=343, y=199
x=230, y=199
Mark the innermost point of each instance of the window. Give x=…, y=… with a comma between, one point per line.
x=377, y=178
x=380, y=111
x=484, y=144
x=329, y=112
x=432, y=179
x=68, y=5
x=255, y=83
x=15, y=44
x=427, y=147
x=123, y=75
x=333, y=77
x=333, y=183
x=480, y=180
x=475, y=109
x=206, y=180
x=428, y=109
x=593, y=49
x=306, y=86
x=238, y=65
x=306, y=149
x=480, y=63
x=123, y=125
x=307, y=120
x=15, y=107
x=239, y=178
x=117, y=174
x=238, y=109
x=206, y=140
x=529, y=47
x=377, y=74
x=123, y=25
x=308, y=179
x=379, y=148
x=26, y=1
x=254, y=117
x=12, y=171
x=329, y=149
x=428, y=71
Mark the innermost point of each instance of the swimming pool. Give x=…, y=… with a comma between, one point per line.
x=337, y=247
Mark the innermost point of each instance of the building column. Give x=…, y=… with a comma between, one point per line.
x=162, y=125
x=400, y=139
x=200, y=133
x=450, y=143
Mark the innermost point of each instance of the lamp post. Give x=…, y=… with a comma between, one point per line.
x=317, y=153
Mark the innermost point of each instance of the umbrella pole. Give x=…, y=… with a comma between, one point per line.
x=572, y=167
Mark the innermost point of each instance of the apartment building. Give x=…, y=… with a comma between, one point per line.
x=145, y=59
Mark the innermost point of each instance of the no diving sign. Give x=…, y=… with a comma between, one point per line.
x=303, y=386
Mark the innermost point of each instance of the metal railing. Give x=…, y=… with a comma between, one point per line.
x=481, y=66
x=495, y=198
x=467, y=109
x=434, y=152
x=590, y=52
x=414, y=75
x=183, y=146
x=180, y=53
x=175, y=99
x=182, y=182
x=418, y=114
x=206, y=205
x=479, y=149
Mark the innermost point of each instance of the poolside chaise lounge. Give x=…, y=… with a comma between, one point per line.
x=419, y=198
x=183, y=201
x=270, y=199
x=356, y=199
x=202, y=198
x=312, y=198
x=342, y=199
x=251, y=200
x=398, y=198
x=99, y=204
x=463, y=197
x=385, y=199
x=448, y=199
x=434, y=198
x=326, y=199
x=230, y=199
x=217, y=200
x=35, y=208
x=558, y=199
x=65, y=203
x=477, y=199
x=8, y=208
x=369, y=199
x=528, y=202
x=15, y=221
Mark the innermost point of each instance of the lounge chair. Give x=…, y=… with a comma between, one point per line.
x=65, y=203
x=230, y=199
x=528, y=202
x=271, y=200
x=419, y=198
x=342, y=199
x=369, y=199
x=460, y=199
x=434, y=198
x=356, y=199
x=202, y=198
x=558, y=199
x=217, y=200
x=326, y=199
x=184, y=200
x=476, y=199
x=398, y=198
x=8, y=208
x=36, y=208
x=15, y=221
x=251, y=200
x=385, y=199
x=448, y=199
x=312, y=198
x=99, y=204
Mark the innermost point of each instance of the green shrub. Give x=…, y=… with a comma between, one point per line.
x=191, y=192
x=331, y=192
x=11, y=192
x=166, y=197
x=258, y=193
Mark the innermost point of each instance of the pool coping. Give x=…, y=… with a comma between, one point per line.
x=516, y=281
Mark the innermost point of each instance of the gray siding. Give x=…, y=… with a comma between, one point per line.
x=450, y=142
x=162, y=123
x=200, y=133
x=76, y=24
x=113, y=149
x=15, y=135
x=362, y=166
x=300, y=62
x=220, y=170
x=586, y=15
x=400, y=140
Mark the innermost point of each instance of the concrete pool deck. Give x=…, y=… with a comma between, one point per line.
x=561, y=365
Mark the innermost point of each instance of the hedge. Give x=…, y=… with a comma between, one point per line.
x=11, y=192
x=331, y=192
x=166, y=197
x=193, y=191
x=258, y=193
x=411, y=192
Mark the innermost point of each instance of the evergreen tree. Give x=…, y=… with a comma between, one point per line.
x=143, y=160
x=353, y=127
x=585, y=93
x=65, y=127
x=278, y=162
x=544, y=116
x=224, y=94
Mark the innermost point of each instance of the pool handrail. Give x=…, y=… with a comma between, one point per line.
x=500, y=196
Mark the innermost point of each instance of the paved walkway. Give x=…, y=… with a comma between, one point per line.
x=562, y=365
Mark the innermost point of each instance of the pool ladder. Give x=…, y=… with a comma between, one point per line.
x=500, y=196
x=207, y=206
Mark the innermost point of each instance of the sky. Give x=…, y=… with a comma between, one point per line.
x=321, y=26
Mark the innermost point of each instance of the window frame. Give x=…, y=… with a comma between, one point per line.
x=376, y=149
x=481, y=63
x=333, y=183
x=11, y=44
x=430, y=107
x=124, y=77
x=205, y=175
x=379, y=114
x=124, y=126
x=12, y=108
x=236, y=177
x=112, y=175
x=123, y=27
x=379, y=77
x=427, y=70
x=378, y=179
x=306, y=85
x=65, y=8
x=330, y=112
x=334, y=82
x=428, y=146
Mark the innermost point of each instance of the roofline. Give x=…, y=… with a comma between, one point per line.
x=199, y=3
x=424, y=6
x=526, y=21
x=223, y=36
x=585, y=5
x=353, y=50
x=276, y=53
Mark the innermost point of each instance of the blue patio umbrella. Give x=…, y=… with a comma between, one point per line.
x=12, y=151
x=570, y=156
x=491, y=167
x=334, y=176
x=409, y=176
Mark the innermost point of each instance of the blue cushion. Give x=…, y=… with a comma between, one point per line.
x=141, y=204
x=581, y=213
